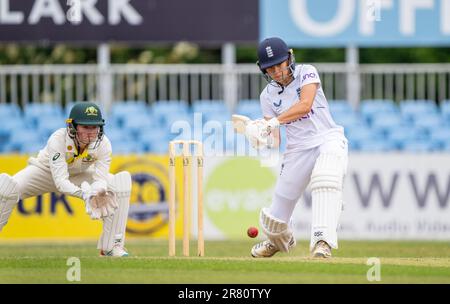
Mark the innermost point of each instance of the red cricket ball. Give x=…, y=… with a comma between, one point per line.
x=252, y=232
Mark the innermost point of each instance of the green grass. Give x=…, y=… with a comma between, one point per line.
x=226, y=262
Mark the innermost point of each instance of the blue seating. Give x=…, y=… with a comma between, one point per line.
x=20, y=138
x=135, y=127
x=47, y=127
x=9, y=110
x=445, y=110
x=124, y=110
x=370, y=145
x=128, y=107
x=32, y=147
x=362, y=133
x=36, y=112
x=429, y=122
x=127, y=147
x=340, y=107
x=177, y=117
x=372, y=107
x=348, y=120
x=440, y=137
x=410, y=109
x=446, y=146
x=249, y=107
x=419, y=146
x=221, y=117
x=384, y=122
x=163, y=107
x=160, y=148
x=38, y=109
x=133, y=124
x=116, y=135
x=152, y=137
x=209, y=106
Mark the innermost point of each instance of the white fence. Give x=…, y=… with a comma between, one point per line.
x=66, y=83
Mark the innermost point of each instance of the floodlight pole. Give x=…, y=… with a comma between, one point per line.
x=353, y=77
x=230, y=89
x=104, y=80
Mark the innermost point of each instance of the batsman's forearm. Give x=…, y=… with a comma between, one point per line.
x=295, y=112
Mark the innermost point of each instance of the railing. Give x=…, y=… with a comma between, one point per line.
x=63, y=84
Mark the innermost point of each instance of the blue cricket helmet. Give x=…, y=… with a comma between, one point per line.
x=272, y=51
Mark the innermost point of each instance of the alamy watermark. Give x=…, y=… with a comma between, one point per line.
x=74, y=12
x=220, y=139
x=372, y=9
x=374, y=272
x=73, y=274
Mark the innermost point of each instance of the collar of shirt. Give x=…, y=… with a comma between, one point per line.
x=72, y=152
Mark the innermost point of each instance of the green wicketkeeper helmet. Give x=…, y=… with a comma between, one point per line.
x=86, y=114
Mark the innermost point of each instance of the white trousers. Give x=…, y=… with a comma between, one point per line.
x=295, y=175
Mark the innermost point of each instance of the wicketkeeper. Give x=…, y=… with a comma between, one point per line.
x=76, y=162
x=316, y=151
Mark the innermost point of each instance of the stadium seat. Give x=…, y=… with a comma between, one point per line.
x=410, y=109
x=9, y=110
x=429, y=122
x=440, y=137
x=127, y=147
x=34, y=113
x=20, y=138
x=123, y=110
x=348, y=120
x=445, y=110
x=340, y=107
x=446, y=146
x=46, y=127
x=160, y=148
x=384, y=122
x=162, y=107
x=362, y=133
x=176, y=117
x=209, y=106
x=249, y=107
x=370, y=145
x=32, y=147
x=372, y=107
x=221, y=117
x=116, y=135
x=419, y=146
x=400, y=135
x=153, y=137
x=134, y=124
x=128, y=106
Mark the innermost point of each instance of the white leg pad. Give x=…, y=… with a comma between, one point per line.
x=114, y=226
x=278, y=231
x=326, y=192
x=9, y=197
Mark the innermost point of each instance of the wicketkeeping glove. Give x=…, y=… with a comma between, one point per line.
x=99, y=203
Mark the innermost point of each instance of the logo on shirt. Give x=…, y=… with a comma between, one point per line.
x=310, y=75
x=89, y=158
x=278, y=104
x=56, y=156
x=298, y=92
x=91, y=111
x=269, y=51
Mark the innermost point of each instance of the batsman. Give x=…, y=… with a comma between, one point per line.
x=76, y=162
x=316, y=151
